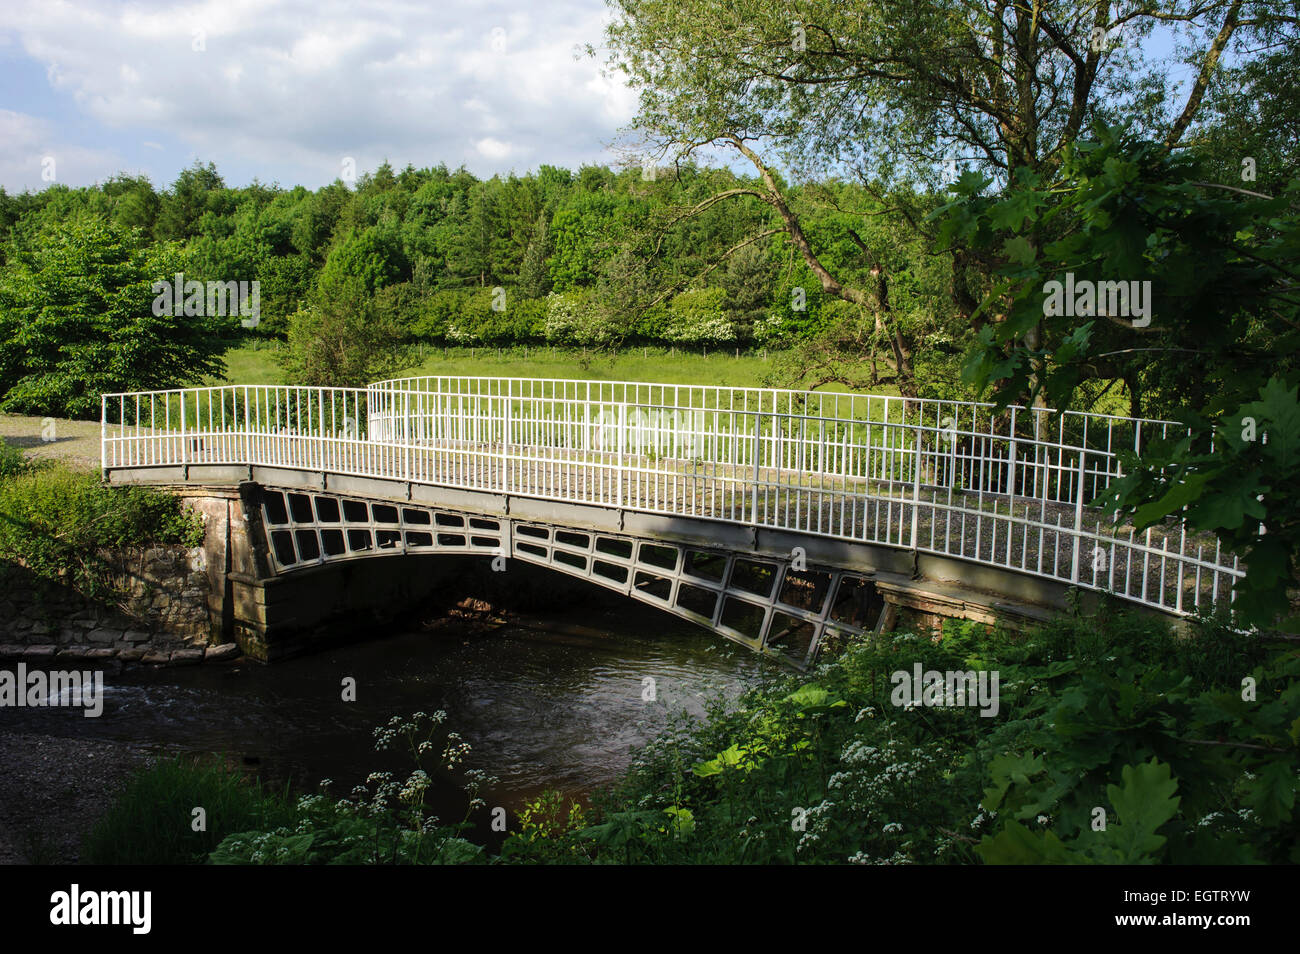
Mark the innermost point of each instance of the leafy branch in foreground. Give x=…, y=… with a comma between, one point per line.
x=1213, y=343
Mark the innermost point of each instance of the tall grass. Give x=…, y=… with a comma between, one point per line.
x=153, y=821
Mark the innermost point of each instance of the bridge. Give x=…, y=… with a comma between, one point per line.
x=779, y=519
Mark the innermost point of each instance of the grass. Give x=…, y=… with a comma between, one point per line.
x=256, y=364
x=153, y=820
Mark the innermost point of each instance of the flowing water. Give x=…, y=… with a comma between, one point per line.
x=548, y=701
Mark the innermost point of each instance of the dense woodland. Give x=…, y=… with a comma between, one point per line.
x=595, y=258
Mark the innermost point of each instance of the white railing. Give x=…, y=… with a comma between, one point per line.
x=1012, y=490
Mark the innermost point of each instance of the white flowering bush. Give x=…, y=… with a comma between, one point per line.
x=769, y=328
x=571, y=318
x=385, y=820
x=699, y=317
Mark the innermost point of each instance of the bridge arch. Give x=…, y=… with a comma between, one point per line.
x=782, y=608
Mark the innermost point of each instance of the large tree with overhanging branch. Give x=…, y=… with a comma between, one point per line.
x=903, y=93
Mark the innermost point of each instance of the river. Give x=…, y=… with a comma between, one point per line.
x=551, y=700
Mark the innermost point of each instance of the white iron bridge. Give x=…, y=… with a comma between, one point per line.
x=756, y=512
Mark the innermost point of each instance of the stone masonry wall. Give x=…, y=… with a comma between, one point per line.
x=165, y=608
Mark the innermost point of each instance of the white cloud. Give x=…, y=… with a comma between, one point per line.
x=32, y=156
x=298, y=84
x=494, y=148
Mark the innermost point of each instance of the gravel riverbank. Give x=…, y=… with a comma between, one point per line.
x=53, y=790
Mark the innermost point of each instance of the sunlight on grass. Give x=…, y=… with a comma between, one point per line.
x=256, y=364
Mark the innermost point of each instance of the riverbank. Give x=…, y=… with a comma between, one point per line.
x=53, y=789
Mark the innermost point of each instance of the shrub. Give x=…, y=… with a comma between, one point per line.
x=700, y=317
x=572, y=318
x=387, y=825
x=53, y=520
x=12, y=461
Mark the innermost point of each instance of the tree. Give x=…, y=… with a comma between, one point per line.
x=315, y=226
x=345, y=339
x=880, y=89
x=1126, y=265
x=77, y=320
x=748, y=283
x=534, y=282
x=468, y=233
x=374, y=257
x=135, y=204
x=1250, y=128
x=191, y=195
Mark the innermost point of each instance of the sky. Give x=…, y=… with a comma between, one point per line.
x=301, y=91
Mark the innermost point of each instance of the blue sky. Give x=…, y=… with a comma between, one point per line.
x=287, y=90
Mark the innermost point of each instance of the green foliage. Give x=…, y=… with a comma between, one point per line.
x=700, y=317
x=1217, y=346
x=12, y=461
x=77, y=319
x=374, y=257
x=54, y=520
x=1246, y=490
x=345, y=338
x=385, y=822
x=151, y=821
x=544, y=826
x=1121, y=210
x=198, y=190
x=572, y=319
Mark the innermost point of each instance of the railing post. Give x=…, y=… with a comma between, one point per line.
x=505, y=442
x=406, y=429
x=183, y=457
x=916, y=487
x=758, y=449
x=103, y=433
x=621, y=437
x=320, y=428
x=1078, y=516
x=1011, y=459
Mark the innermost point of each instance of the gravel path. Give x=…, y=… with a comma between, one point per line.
x=46, y=438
